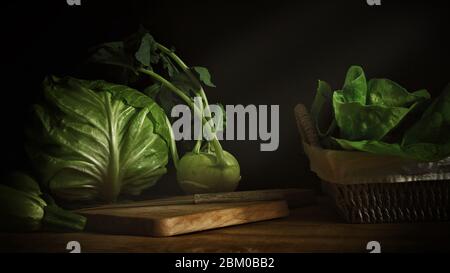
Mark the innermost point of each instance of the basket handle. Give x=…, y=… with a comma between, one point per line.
x=306, y=126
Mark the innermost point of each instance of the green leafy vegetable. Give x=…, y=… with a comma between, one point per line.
x=23, y=209
x=367, y=113
x=95, y=140
x=145, y=54
x=22, y=182
x=434, y=125
x=114, y=54
x=359, y=122
x=204, y=75
x=169, y=66
x=355, y=86
x=387, y=93
x=371, y=111
x=183, y=84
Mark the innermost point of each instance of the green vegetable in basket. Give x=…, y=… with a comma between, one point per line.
x=370, y=115
x=94, y=140
x=372, y=110
x=22, y=208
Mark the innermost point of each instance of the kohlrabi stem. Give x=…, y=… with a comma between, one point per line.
x=198, y=143
x=187, y=71
x=169, y=85
x=215, y=142
x=197, y=146
x=173, y=145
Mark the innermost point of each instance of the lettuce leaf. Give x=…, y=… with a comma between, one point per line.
x=370, y=111
x=366, y=113
x=434, y=125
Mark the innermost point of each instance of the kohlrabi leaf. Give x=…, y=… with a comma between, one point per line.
x=131, y=54
x=184, y=83
x=133, y=42
x=113, y=54
x=146, y=53
x=204, y=75
x=169, y=66
x=167, y=100
x=95, y=140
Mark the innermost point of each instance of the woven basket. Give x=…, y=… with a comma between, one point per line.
x=414, y=201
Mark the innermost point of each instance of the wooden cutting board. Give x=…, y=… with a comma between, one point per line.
x=160, y=221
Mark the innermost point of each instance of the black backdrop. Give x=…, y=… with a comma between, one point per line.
x=259, y=52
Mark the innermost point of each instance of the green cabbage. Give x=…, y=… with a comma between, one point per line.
x=94, y=140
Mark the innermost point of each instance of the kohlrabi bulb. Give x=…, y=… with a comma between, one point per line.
x=200, y=173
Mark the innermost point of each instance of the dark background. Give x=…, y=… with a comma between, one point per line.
x=259, y=52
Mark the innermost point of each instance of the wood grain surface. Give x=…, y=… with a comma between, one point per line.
x=309, y=229
x=172, y=220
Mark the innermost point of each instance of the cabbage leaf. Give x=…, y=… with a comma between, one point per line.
x=94, y=140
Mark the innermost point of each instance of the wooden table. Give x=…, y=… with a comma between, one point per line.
x=310, y=229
